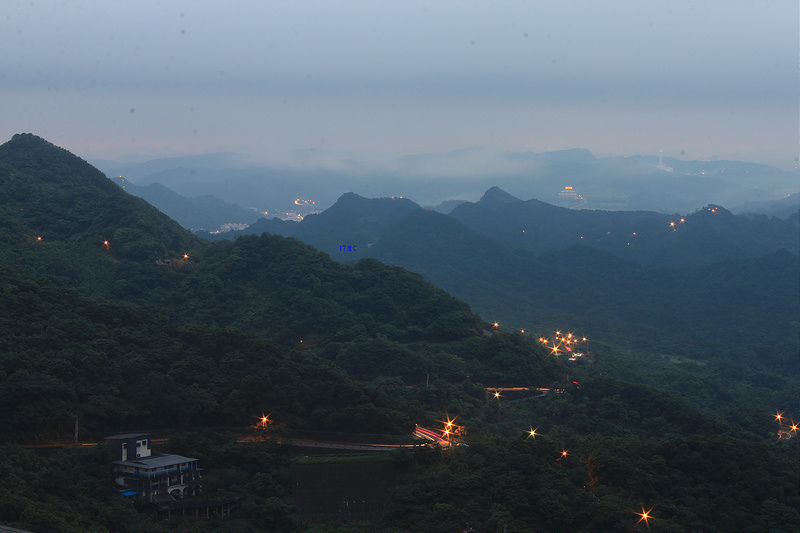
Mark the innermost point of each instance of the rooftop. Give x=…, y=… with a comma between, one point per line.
x=158, y=461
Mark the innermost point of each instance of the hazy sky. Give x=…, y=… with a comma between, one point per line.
x=377, y=78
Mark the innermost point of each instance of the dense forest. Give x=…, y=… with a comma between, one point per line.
x=115, y=319
x=714, y=299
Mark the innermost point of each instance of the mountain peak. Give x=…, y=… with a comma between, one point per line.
x=353, y=200
x=30, y=140
x=30, y=143
x=32, y=154
x=55, y=193
x=497, y=196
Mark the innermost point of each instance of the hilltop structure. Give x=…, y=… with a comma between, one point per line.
x=661, y=165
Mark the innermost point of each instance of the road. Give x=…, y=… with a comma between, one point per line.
x=299, y=442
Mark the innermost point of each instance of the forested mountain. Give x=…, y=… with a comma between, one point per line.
x=584, y=282
x=76, y=224
x=715, y=290
x=62, y=217
x=114, y=316
x=112, y=367
x=104, y=242
x=706, y=236
x=691, y=267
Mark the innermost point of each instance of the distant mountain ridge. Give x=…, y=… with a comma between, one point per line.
x=481, y=253
x=609, y=183
x=205, y=212
x=783, y=208
x=708, y=235
x=647, y=237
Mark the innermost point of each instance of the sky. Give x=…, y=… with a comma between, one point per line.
x=369, y=79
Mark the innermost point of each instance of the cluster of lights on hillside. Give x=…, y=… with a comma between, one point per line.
x=561, y=343
x=451, y=429
x=674, y=225
x=106, y=245
x=565, y=343
x=787, y=427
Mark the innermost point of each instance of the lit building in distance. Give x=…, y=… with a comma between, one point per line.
x=569, y=197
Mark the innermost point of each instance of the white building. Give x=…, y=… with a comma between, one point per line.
x=157, y=478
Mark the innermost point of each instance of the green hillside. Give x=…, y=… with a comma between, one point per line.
x=119, y=319
x=674, y=325
x=64, y=218
x=732, y=324
x=275, y=288
x=115, y=367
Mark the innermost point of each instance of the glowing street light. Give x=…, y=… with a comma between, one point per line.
x=645, y=516
x=532, y=433
x=449, y=423
x=264, y=420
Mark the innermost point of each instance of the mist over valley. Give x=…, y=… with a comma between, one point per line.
x=607, y=183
